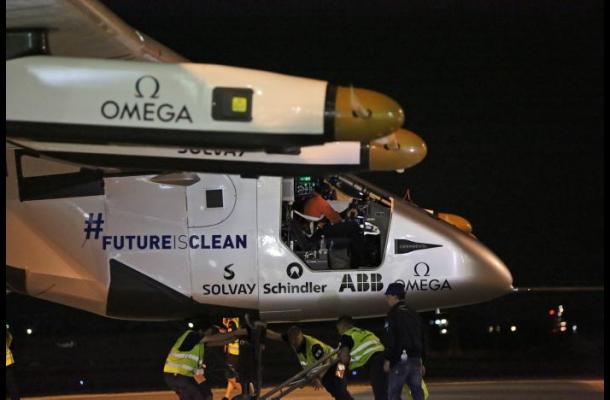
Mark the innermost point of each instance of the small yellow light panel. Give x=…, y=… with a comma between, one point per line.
x=239, y=104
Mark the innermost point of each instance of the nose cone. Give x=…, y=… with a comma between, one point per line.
x=399, y=150
x=490, y=277
x=364, y=115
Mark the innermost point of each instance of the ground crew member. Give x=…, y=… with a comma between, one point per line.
x=11, y=384
x=184, y=366
x=404, y=345
x=361, y=350
x=232, y=359
x=310, y=350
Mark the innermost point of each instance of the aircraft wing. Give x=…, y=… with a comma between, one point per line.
x=86, y=29
x=166, y=111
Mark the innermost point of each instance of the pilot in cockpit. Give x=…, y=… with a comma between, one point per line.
x=336, y=230
x=317, y=204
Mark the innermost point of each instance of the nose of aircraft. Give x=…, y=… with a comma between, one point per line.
x=490, y=277
x=364, y=115
x=399, y=150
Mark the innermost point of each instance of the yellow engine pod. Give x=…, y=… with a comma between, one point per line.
x=399, y=150
x=383, y=115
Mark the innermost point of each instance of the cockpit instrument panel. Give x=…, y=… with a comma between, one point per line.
x=304, y=186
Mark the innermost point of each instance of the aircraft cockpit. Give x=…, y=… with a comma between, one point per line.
x=334, y=222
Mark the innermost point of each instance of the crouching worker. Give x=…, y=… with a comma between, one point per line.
x=184, y=370
x=362, y=351
x=309, y=351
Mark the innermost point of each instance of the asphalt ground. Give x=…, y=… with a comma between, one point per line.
x=556, y=389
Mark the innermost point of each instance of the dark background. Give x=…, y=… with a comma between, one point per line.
x=508, y=96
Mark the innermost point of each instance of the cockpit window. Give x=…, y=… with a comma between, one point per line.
x=334, y=223
x=368, y=188
x=213, y=198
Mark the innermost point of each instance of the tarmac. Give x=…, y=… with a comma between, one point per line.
x=552, y=389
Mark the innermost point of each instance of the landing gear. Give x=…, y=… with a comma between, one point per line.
x=258, y=335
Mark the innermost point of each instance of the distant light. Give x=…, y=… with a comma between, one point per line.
x=354, y=373
x=560, y=312
x=513, y=328
x=28, y=331
x=497, y=328
x=191, y=325
x=437, y=321
x=437, y=311
x=443, y=331
x=574, y=328
x=7, y=326
x=490, y=329
x=563, y=323
x=82, y=382
x=444, y=321
x=563, y=329
x=552, y=312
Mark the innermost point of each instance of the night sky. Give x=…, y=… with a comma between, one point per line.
x=508, y=96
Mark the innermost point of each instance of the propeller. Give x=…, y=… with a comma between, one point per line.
x=358, y=110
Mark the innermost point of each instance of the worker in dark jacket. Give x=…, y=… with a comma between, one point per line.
x=404, y=346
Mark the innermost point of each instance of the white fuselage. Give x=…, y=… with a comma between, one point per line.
x=217, y=243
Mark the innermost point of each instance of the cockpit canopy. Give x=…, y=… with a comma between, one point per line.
x=350, y=226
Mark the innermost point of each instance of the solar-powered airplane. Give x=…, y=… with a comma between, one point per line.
x=142, y=186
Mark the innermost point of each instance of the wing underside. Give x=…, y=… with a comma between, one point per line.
x=79, y=28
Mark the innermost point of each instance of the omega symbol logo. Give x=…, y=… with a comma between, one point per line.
x=421, y=267
x=147, y=84
x=294, y=270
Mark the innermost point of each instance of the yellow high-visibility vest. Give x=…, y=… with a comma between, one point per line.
x=233, y=347
x=366, y=343
x=9, y=354
x=308, y=359
x=406, y=392
x=184, y=362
